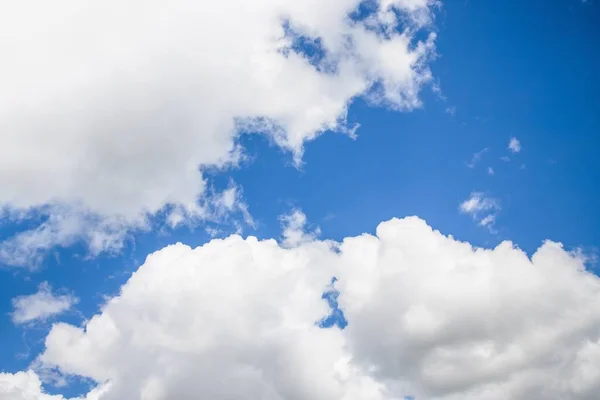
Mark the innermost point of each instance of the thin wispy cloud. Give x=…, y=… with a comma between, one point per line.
x=476, y=158
x=488, y=220
x=483, y=209
x=40, y=306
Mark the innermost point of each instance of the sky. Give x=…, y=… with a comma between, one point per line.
x=387, y=199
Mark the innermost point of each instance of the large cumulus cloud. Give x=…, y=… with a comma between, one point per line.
x=428, y=316
x=109, y=110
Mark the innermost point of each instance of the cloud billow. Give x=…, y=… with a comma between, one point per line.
x=428, y=316
x=110, y=111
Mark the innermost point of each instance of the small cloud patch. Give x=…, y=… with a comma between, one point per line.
x=41, y=305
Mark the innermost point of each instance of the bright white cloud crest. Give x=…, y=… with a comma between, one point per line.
x=428, y=316
x=111, y=108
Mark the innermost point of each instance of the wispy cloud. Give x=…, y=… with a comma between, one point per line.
x=477, y=202
x=476, y=158
x=488, y=220
x=41, y=305
x=482, y=209
x=295, y=230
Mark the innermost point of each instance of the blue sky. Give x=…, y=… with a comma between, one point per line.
x=516, y=69
x=516, y=80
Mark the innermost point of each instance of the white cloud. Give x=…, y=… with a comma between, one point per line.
x=476, y=158
x=118, y=123
x=294, y=229
x=66, y=225
x=478, y=202
x=514, y=145
x=428, y=316
x=215, y=206
x=26, y=385
x=23, y=386
x=41, y=305
x=488, y=220
x=481, y=208
x=490, y=171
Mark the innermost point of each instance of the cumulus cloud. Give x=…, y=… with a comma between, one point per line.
x=26, y=385
x=114, y=110
x=23, y=386
x=41, y=305
x=428, y=316
x=514, y=145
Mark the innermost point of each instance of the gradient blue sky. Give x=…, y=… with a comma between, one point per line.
x=523, y=69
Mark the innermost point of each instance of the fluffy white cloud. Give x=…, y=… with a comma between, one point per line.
x=514, y=145
x=428, y=316
x=23, y=386
x=41, y=305
x=113, y=109
x=26, y=385
x=458, y=323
